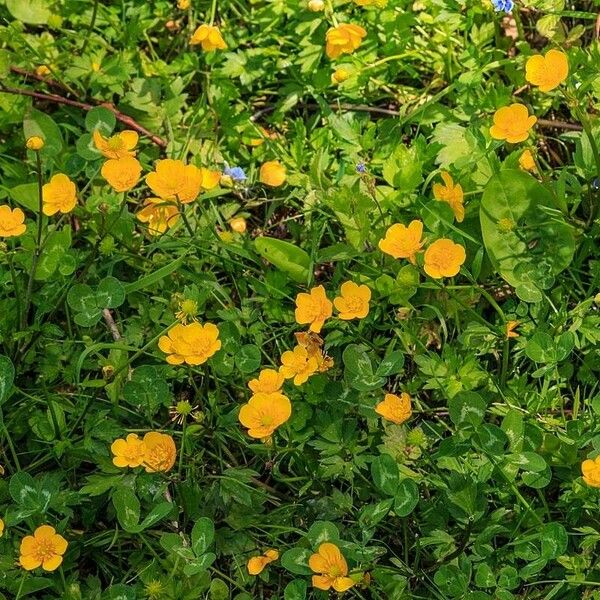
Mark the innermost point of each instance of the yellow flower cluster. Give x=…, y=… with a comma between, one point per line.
x=122, y=170
x=267, y=409
x=443, y=258
x=191, y=344
x=156, y=452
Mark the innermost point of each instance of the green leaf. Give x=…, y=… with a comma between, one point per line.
x=154, y=277
x=392, y=364
x=467, y=407
x=54, y=253
x=200, y=564
x=247, y=358
x=285, y=256
x=514, y=428
x=32, y=12
x=385, y=474
x=110, y=293
x=147, y=390
x=554, y=540
x=128, y=509
x=527, y=240
x=406, y=498
x=42, y=125
x=100, y=118
x=358, y=369
x=7, y=378
x=403, y=169
x=295, y=590
x=372, y=514
x=203, y=534
x=322, y=531
x=296, y=561
x=127, y=506
x=27, y=195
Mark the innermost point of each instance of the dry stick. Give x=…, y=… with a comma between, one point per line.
x=110, y=323
x=123, y=118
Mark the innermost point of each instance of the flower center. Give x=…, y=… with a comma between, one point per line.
x=115, y=143
x=354, y=304
x=44, y=550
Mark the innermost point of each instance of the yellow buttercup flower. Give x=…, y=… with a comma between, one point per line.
x=269, y=381
x=547, y=72
x=183, y=4
x=238, y=224
x=123, y=173
x=12, y=221
x=60, y=195
x=452, y=194
x=396, y=409
x=527, y=162
x=42, y=71
x=590, y=469
x=264, y=413
x=174, y=180
x=1, y=527
x=191, y=344
x=444, y=258
x=343, y=39
x=316, y=5
x=117, y=146
x=403, y=242
x=298, y=364
x=159, y=214
x=256, y=564
x=209, y=37
x=210, y=178
x=331, y=567
x=272, y=173
x=34, y=143
x=339, y=75
x=353, y=303
x=45, y=548
x=128, y=452
x=160, y=452
x=314, y=308
x=512, y=123
x=510, y=329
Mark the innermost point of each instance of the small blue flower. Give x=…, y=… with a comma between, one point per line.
x=361, y=167
x=236, y=173
x=503, y=5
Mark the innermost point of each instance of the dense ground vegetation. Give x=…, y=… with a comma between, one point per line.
x=299, y=298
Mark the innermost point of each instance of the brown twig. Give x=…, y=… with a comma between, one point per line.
x=559, y=124
x=110, y=323
x=123, y=118
x=41, y=78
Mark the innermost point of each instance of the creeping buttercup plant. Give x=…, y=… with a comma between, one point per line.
x=299, y=299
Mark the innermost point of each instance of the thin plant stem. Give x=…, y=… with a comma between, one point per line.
x=38, y=243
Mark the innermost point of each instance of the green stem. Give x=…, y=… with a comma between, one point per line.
x=38, y=244
x=213, y=11
x=331, y=12
x=90, y=28
x=20, y=587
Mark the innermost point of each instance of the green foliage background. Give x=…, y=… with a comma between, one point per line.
x=479, y=496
